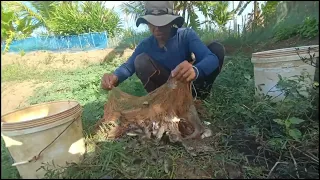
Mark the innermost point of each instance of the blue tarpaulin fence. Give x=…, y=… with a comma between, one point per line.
x=81, y=42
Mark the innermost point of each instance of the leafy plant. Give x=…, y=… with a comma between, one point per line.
x=219, y=14
x=39, y=11
x=295, y=86
x=75, y=18
x=133, y=8
x=289, y=129
x=283, y=33
x=22, y=52
x=14, y=26
x=269, y=11
x=309, y=28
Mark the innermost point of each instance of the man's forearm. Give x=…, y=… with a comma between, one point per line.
x=123, y=72
x=207, y=65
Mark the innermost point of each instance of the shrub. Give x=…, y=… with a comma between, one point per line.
x=286, y=33
x=309, y=28
x=73, y=19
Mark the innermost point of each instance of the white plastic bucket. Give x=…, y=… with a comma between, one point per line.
x=44, y=133
x=268, y=65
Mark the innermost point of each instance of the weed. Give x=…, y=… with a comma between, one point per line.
x=289, y=130
x=85, y=62
x=309, y=28
x=48, y=59
x=64, y=59
x=22, y=53
x=234, y=108
x=16, y=72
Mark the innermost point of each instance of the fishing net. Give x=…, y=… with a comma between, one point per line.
x=169, y=110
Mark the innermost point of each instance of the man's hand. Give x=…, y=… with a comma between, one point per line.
x=184, y=72
x=109, y=81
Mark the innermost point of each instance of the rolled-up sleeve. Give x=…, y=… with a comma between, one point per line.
x=206, y=62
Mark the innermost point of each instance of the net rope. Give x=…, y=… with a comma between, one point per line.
x=169, y=108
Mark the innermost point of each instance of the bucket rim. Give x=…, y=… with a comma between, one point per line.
x=284, y=54
x=280, y=50
x=35, y=105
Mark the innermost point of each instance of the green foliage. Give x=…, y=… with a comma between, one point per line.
x=291, y=131
x=14, y=26
x=83, y=85
x=295, y=85
x=286, y=33
x=215, y=12
x=242, y=6
x=233, y=104
x=219, y=14
x=22, y=52
x=269, y=12
x=40, y=13
x=16, y=72
x=7, y=18
x=207, y=35
x=6, y=162
x=296, y=19
x=309, y=28
x=281, y=20
x=75, y=18
x=133, y=8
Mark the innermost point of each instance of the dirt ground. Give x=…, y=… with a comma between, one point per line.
x=14, y=94
x=62, y=60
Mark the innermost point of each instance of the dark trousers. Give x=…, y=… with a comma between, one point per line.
x=153, y=75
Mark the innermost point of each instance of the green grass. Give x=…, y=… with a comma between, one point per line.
x=247, y=140
x=7, y=171
x=16, y=72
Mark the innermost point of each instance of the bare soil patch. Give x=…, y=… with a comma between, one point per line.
x=63, y=60
x=14, y=95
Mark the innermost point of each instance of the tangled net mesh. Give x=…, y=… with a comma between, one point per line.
x=167, y=110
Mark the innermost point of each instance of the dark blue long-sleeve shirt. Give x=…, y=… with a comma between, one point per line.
x=177, y=49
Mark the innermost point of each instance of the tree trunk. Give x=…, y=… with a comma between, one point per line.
x=188, y=19
x=255, y=15
x=184, y=9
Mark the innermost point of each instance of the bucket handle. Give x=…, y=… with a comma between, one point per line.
x=35, y=158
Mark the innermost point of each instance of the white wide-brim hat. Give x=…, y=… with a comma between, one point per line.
x=160, y=13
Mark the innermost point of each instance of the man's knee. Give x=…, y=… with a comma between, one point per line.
x=144, y=66
x=218, y=50
x=142, y=62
